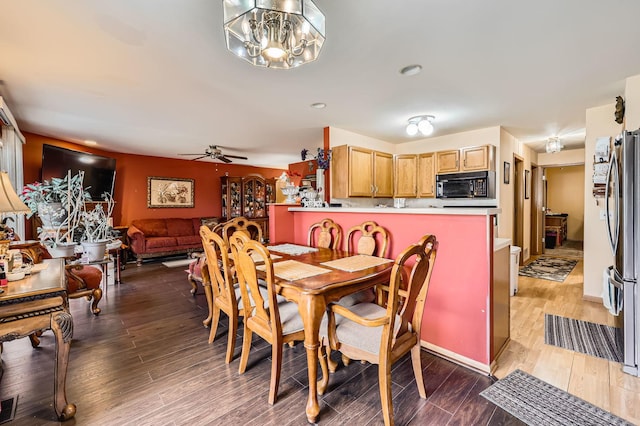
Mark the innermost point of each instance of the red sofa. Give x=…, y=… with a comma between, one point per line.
x=163, y=237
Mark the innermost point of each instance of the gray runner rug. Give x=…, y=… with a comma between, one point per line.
x=538, y=403
x=598, y=340
x=549, y=268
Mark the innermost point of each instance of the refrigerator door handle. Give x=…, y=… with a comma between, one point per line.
x=612, y=171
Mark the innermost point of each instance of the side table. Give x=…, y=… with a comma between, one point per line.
x=39, y=302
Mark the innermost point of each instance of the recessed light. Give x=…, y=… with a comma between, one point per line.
x=318, y=105
x=89, y=142
x=411, y=69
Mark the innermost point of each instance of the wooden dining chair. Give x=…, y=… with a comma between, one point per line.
x=226, y=297
x=383, y=334
x=251, y=228
x=277, y=323
x=367, y=238
x=328, y=233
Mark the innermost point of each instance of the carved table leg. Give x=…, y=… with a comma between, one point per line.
x=62, y=327
x=311, y=310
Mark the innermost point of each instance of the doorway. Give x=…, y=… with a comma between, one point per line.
x=537, y=210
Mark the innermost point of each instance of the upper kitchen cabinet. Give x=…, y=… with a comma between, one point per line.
x=467, y=159
x=406, y=172
x=426, y=175
x=361, y=172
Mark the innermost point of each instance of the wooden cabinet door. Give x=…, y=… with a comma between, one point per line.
x=383, y=174
x=475, y=158
x=360, y=172
x=426, y=175
x=406, y=172
x=447, y=161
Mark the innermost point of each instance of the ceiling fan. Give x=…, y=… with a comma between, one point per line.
x=214, y=152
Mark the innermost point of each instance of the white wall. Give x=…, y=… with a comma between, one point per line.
x=338, y=137
x=562, y=158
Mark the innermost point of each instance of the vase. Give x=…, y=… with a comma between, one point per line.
x=320, y=183
x=61, y=250
x=290, y=191
x=51, y=214
x=94, y=250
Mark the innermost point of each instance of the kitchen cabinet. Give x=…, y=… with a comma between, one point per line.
x=468, y=159
x=361, y=172
x=406, y=173
x=247, y=196
x=426, y=175
x=447, y=161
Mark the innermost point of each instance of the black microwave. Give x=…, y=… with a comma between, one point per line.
x=466, y=185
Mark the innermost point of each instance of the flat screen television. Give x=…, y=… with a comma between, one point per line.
x=99, y=172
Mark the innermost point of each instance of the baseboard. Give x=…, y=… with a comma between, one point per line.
x=457, y=358
x=594, y=299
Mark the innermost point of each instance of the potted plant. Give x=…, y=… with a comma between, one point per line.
x=95, y=228
x=58, y=203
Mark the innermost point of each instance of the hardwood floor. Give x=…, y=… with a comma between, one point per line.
x=595, y=380
x=145, y=361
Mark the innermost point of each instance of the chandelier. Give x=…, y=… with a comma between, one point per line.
x=420, y=123
x=554, y=145
x=274, y=33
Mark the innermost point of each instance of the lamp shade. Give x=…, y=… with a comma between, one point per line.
x=9, y=200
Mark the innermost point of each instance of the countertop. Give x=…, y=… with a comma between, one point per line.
x=500, y=243
x=449, y=211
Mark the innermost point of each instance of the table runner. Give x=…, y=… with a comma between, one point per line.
x=356, y=263
x=292, y=270
x=292, y=249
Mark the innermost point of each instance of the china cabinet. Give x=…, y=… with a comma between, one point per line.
x=247, y=196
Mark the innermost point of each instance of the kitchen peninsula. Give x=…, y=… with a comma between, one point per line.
x=458, y=320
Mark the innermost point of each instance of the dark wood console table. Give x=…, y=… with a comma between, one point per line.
x=35, y=303
x=558, y=224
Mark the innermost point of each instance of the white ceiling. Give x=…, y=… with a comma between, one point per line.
x=153, y=77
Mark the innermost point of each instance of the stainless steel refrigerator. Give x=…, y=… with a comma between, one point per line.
x=623, y=223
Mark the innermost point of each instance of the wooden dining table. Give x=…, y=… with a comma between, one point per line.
x=314, y=293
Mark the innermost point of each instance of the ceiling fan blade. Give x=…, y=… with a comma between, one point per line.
x=192, y=154
x=201, y=156
x=236, y=156
x=223, y=158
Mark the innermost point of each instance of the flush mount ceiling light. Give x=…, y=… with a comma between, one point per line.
x=554, y=145
x=420, y=123
x=274, y=33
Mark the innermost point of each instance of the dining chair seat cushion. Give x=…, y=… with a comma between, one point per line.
x=365, y=296
x=359, y=336
x=263, y=284
x=263, y=291
x=290, y=318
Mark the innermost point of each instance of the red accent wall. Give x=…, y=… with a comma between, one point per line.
x=131, y=179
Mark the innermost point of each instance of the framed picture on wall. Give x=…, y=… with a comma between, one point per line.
x=527, y=184
x=169, y=192
x=506, y=172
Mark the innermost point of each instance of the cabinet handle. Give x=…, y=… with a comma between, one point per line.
x=372, y=189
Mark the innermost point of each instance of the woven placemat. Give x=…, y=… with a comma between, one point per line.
x=292, y=270
x=292, y=249
x=356, y=263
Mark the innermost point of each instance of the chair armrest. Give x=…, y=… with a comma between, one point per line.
x=136, y=239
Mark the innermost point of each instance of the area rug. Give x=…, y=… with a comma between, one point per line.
x=538, y=403
x=549, y=268
x=597, y=340
x=8, y=408
x=176, y=263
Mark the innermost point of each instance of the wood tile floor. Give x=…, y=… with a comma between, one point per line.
x=145, y=361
